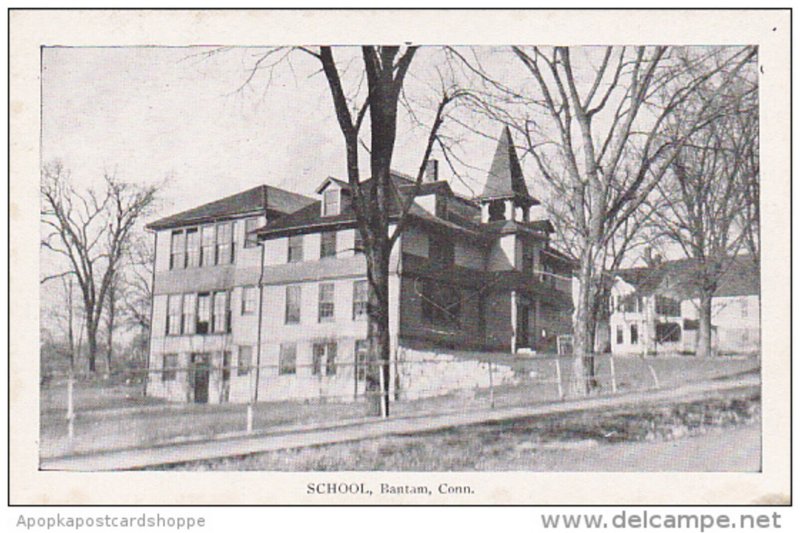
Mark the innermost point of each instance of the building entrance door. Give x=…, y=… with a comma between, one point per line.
x=523, y=337
x=200, y=377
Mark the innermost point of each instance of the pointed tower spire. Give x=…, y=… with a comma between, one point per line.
x=505, y=179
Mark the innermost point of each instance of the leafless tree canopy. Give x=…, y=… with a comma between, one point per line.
x=705, y=203
x=91, y=231
x=597, y=130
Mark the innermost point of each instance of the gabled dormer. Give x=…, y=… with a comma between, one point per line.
x=336, y=197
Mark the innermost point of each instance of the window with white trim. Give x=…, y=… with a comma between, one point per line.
x=330, y=202
x=360, y=298
x=295, y=249
x=203, y=313
x=177, y=255
x=287, y=359
x=245, y=361
x=249, y=300
x=188, y=316
x=250, y=239
x=327, y=244
x=221, y=316
x=169, y=365
x=192, y=247
x=225, y=243
x=208, y=242
x=174, y=303
x=293, y=296
x=323, y=357
x=326, y=302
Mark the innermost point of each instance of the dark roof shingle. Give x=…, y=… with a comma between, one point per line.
x=739, y=277
x=249, y=201
x=505, y=179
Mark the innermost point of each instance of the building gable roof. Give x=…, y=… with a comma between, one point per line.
x=329, y=180
x=680, y=278
x=310, y=219
x=257, y=199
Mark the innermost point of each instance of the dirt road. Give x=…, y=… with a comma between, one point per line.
x=735, y=449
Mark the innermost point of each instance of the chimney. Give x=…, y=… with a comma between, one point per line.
x=650, y=259
x=431, y=171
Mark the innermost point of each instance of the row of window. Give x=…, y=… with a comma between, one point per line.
x=665, y=332
x=327, y=246
x=323, y=358
x=633, y=303
x=634, y=339
x=210, y=312
x=441, y=248
x=323, y=361
x=208, y=244
x=326, y=308
x=198, y=313
x=170, y=364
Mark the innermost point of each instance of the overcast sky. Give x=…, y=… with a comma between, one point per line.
x=155, y=113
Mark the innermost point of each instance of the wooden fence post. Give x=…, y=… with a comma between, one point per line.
x=613, y=374
x=655, y=377
x=491, y=386
x=383, y=393
x=70, y=407
x=250, y=405
x=558, y=379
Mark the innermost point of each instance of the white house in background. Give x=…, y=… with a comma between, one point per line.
x=654, y=311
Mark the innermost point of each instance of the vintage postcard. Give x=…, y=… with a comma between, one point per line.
x=400, y=257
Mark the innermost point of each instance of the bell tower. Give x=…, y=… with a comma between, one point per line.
x=505, y=195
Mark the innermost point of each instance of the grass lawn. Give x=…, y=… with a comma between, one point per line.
x=93, y=395
x=116, y=415
x=655, y=438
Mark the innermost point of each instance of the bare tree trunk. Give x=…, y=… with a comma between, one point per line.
x=378, y=333
x=583, y=365
x=373, y=198
x=112, y=307
x=91, y=341
x=704, y=333
x=70, y=325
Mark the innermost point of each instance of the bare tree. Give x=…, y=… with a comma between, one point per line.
x=621, y=167
x=745, y=119
x=705, y=202
x=115, y=289
x=634, y=233
x=595, y=132
x=63, y=316
x=138, y=285
x=381, y=211
x=91, y=232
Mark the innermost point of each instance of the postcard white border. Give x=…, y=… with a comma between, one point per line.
x=29, y=30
